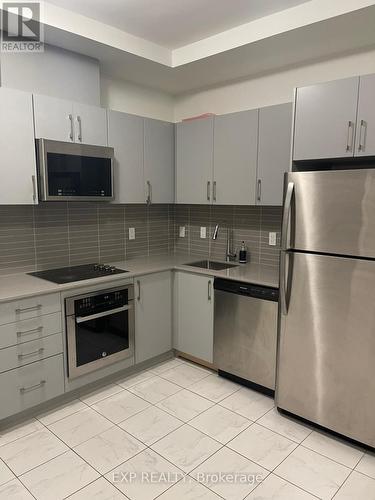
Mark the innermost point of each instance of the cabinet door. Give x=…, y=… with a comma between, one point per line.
x=53, y=118
x=195, y=315
x=365, y=137
x=275, y=134
x=325, y=118
x=235, y=158
x=159, y=161
x=17, y=148
x=153, y=316
x=90, y=124
x=125, y=135
x=194, y=153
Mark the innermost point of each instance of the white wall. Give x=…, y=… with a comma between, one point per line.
x=134, y=99
x=274, y=88
x=56, y=72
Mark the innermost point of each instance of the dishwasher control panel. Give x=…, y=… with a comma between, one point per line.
x=247, y=289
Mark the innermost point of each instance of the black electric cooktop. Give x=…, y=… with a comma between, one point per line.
x=77, y=273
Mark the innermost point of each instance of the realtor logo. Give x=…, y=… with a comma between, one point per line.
x=21, y=29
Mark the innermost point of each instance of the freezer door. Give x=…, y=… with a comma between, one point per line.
x=332, y=212
x=326, y=344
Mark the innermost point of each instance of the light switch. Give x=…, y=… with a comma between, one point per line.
x=182, y=232
x=203, y=232
x=131, y=233
x=272, y=239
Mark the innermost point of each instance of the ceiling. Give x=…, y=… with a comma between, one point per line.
x=175, y=23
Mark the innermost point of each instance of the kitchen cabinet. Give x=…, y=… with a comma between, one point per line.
x=125, y=135
x=365, y=136
x=194, y=161
x=235, y=158
x=325, y=120
x=159, y=161
x=274, y=147
x=61, y=120
x=18, y=182
x=194, y=309
x=153, y=315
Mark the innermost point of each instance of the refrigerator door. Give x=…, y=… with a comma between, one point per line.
x=326, y=345
x=332, y=212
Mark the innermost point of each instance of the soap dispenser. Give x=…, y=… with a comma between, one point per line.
x=243, y=254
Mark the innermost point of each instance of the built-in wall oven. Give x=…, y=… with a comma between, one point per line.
x=100, y=329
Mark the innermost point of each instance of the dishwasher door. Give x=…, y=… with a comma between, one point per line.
x=245, y=331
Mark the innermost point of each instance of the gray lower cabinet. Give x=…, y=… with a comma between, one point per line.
x=194, y=161
x=235, y=158
x=153, y=315
x=125, y=135
x=159, y=161
x=325, y=120
x=274, y=152
x=365, y=136
x=31, y=385
x=194, y=320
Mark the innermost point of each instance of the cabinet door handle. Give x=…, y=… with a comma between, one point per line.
x=27, y=354
x=25, y=309
x=349, y=141
x=259, y=191
x=79, y=121
x=139, y=290
x=208, y=190
x=362, y=137
x=214, y=191
x=33, y=180
x=71, y=135
x=32, y=387
x=29, y=332
x=149, y=193
x=209, y=290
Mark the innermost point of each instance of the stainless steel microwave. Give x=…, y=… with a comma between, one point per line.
x=69, y=171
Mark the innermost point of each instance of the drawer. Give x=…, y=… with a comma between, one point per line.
x=30, y=385
x=28, y=352
x=30, y=329
x=33, y=307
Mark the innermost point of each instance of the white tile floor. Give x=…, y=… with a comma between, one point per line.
x=168, y=433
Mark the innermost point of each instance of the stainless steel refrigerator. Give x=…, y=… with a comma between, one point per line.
x=326, y=343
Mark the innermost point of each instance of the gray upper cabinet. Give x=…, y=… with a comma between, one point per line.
x=325, y=120
x=365, y=137
x=17, y=148
x=275, y=134
x=125, y=135
x=53, y=118
x=235, y=158
x=194, y=160
x=159, y=161
x=90, y=125
x=61, y=120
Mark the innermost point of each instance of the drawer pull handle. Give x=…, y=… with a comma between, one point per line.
x=29, y=332
x=27, y=354
x=32, y=387
x=33, y=308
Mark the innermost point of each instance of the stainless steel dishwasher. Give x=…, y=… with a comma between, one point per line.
x=245, y=332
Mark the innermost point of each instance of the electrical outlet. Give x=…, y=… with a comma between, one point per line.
x=272, y=239
x=182, y=231
x=131, y=233
x=203, y=232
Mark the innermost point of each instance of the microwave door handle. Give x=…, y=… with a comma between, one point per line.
x=82, y=319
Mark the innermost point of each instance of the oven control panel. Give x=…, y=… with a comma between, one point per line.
x=102, y=302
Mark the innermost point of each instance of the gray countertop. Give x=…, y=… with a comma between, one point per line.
x=19, y=286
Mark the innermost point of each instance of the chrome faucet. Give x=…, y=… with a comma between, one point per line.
x=230, y=253
x=215, y=233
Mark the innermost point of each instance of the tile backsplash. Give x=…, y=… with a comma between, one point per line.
x=61, y=234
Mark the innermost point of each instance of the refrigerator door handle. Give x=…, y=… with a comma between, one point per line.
x=284, y=243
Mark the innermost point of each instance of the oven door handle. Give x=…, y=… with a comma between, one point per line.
x=82, y=319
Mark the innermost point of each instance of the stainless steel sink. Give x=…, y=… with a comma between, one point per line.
x=212, y=264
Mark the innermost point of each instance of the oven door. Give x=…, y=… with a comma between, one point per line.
x=74, y=171
x=100, y=339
